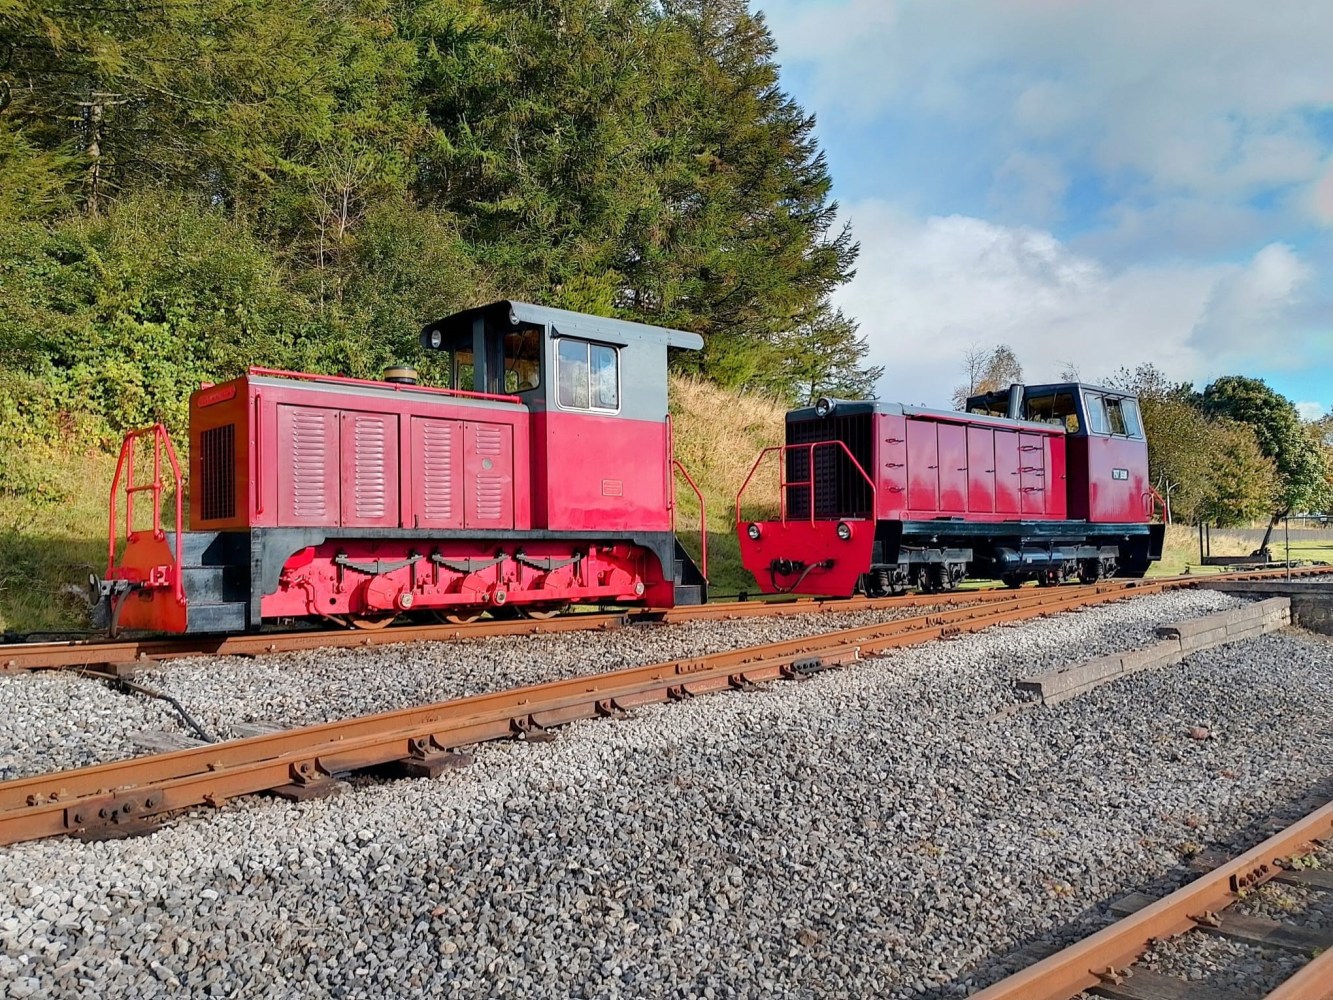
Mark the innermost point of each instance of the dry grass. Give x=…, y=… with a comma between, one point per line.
x=718, y=435
x=48, y=548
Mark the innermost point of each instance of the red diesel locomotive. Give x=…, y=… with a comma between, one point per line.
x=1039, y=482
x=543, y=475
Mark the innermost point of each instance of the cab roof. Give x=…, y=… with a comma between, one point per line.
x=508, y=312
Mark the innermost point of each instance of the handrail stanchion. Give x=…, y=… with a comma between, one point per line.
x=703, y=516
x=125, y=474
x=785, y=484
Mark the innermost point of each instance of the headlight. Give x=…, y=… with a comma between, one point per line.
x=844, y=531
x=753, y=532
x=436, y=339
x=823, y=407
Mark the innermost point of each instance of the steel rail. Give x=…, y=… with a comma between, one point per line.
x=64, y=802
x=98, y=653
x=95, y=652
x=1313, y=981
x=1083, y=964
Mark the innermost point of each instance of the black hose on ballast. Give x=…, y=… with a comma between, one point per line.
x=129, y=687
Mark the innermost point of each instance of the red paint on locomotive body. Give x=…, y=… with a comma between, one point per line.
x=598, y=473
x=1043, y=484
x=934, y=464
x=371, y=577
x=326, y=496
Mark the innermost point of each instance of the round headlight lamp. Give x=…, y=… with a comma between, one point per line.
x=436, y=339
x=753, y=532
x=824, y=406
x=844, y=531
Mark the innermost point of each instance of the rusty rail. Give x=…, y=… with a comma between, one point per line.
x=99, y=653
x=119, y=791
x=1106, y=955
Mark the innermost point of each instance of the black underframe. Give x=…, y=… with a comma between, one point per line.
x=1015, y=543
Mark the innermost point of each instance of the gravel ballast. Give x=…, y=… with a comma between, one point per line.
x=877, y=830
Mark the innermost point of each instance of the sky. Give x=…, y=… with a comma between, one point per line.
x=1096, y=184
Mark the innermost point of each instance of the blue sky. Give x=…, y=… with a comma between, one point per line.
x=1096, y=184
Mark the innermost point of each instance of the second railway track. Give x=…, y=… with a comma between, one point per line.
x=1104, y=964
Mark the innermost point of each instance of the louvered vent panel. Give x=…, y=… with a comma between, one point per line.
x=369, y=481
x=309, y=461
x=490, y=439
x=488, y=489
x=488, y=497
x=436, y=469
x=840, y=490
x=217, y=473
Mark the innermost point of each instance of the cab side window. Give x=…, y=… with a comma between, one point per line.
x=1115, y=416
x=1058, y=410
x=588, y=375
x=1133, y=425
x=1097, y=418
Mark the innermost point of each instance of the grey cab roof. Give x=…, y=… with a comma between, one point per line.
x=614, y=331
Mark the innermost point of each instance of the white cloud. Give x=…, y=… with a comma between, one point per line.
x=1311, y=411
x=1249, y=304
x=928, y=290
x=1030, y=187
x=1211, y=99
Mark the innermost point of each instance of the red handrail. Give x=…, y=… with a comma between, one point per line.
x=703, y=515
x=1153, y=500
x=784, y=484
x=395, y=386
x=125, y=470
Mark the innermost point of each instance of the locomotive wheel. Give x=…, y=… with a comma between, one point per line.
x=370, y=623
x=457, y=617
x=541, y=612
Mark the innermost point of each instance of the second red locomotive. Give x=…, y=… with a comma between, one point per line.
x=541, y=476
x=1041, y=482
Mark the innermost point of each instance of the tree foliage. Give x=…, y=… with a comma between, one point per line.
x=1303, y=470
x=192, y=185
x=987, y=371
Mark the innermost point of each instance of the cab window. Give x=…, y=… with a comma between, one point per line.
x=1115, y=416
x=522, y=359
x=589, y=375
x=464, y=369
x=1097, y=420
x=1133, y=424
x=1059, y=409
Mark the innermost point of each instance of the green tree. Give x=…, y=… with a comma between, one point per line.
x=1302, y=467
x=1242, y=481
x=827, y=357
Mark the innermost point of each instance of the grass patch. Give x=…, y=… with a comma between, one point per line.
x=49, y=546
x=1181, y=550
x=718, y=435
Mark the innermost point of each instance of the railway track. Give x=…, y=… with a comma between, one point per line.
x=103, y=654
x=423, y=740
x=112, y=654
x=1103, y=964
